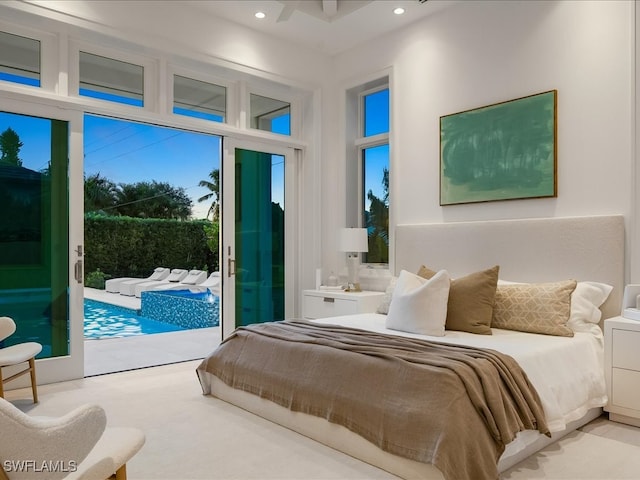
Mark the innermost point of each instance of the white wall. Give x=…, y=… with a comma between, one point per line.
x=172, y=28
x=478, y=53
x=468, y=55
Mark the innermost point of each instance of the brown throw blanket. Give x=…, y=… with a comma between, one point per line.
x=453, y=406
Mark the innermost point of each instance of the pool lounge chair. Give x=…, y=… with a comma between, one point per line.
x=113, y=285
x=194, y=277
x=128, y=288
x=176, y=276
x=212, y=284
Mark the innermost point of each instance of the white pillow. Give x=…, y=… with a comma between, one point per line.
x=585, y=307
x=419, y=305
x=386, y=299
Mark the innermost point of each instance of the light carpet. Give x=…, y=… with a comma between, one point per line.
x=194, y=437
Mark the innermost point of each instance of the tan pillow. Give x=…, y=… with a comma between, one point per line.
x=534, y=307
x=471, y=298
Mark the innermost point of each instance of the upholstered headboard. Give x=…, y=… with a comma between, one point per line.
x=527, y=250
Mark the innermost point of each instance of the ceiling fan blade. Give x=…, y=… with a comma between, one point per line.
x=287, y=11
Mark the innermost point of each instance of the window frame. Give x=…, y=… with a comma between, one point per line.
x=48, y=50
x=362, y=143
x=231, y=116
x=150, y=70
x=275, y=94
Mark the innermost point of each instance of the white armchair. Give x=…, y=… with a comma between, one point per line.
x=17, y=354
x=75, y=446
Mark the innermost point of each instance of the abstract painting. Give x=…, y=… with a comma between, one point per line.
x=503, y=151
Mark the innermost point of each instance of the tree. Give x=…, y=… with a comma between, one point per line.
x=153, y=200
x=214, y=186
x=100, y=194
x=377, y=221
x=10, y=146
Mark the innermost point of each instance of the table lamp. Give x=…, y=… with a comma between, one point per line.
x=353, y=241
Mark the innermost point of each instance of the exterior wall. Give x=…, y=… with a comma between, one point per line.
x=478, y=53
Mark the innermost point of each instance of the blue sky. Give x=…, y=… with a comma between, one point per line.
x=127, y=152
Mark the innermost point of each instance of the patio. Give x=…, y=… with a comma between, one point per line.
x=127, y=353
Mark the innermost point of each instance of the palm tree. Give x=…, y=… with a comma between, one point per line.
x=377, y=222
x=214, y=186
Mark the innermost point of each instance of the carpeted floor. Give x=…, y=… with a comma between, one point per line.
x=192, y=437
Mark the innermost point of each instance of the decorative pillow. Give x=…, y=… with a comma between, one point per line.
x=534, y=307
x=471, y=299
x=419, y=305
x=386, y=299
x=586, y=301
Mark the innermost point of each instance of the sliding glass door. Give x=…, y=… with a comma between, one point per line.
x=257, y=234
x=36, y=265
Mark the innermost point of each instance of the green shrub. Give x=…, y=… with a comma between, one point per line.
x=96, y=279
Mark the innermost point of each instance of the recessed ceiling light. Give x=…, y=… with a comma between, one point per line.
x=398, y=11
x=260, y=15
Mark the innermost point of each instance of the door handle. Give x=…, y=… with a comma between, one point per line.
x=231, y=267
x=77, y=271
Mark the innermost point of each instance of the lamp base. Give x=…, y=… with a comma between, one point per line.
x=353, y=282
x=353, y=287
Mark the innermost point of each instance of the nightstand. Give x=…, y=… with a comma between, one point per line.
x=622, y=369
x=332, y=303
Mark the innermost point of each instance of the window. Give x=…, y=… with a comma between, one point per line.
x=198, y=99
x=19, y=59
x=112, y=80
x=376, y=113
x=270, y=114
x=373, y=148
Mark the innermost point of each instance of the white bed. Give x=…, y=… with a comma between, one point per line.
x=567, y=372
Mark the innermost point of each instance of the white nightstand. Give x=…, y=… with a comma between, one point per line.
x=331, y=303
x=622, y=369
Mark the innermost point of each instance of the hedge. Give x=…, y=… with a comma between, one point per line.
x=133, y=247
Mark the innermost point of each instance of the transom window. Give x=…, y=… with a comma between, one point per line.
x=198, y=99
x=112, y=80
x=270, y=114
x=19, y=59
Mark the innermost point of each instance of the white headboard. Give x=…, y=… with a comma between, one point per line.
x=527, y=250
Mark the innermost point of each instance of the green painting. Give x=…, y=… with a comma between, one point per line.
x=503, y=151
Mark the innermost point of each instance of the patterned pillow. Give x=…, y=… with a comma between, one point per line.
x=471, y=299
x=534, y=307
x=386, y=299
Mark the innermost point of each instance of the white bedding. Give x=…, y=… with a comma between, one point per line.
x=567, y=372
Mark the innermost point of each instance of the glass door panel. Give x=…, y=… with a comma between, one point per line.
x=34, y=230
x=255, y=265
x=259, y=237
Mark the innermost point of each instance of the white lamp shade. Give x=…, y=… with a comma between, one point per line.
x=354, y=240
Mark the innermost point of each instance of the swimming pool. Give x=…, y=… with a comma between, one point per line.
x=182, y=307
x=103, y=320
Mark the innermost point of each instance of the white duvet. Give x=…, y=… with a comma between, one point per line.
x=567, y=372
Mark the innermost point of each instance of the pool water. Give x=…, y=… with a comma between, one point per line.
x=103, y=320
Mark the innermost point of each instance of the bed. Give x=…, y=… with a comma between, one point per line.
x=566, y=372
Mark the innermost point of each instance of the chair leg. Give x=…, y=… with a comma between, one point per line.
x=121, y=473
x=34, y=386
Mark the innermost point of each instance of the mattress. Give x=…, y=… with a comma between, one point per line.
x=567, y=373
